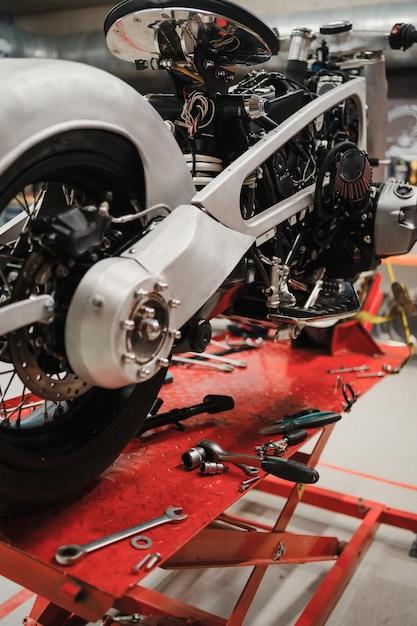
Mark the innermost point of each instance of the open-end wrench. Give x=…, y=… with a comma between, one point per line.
x=68, y=554
x=215, y=357
x=224, y=367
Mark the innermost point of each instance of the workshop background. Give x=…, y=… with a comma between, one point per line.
x=372, y=452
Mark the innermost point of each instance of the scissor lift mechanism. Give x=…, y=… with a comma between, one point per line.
x=149, y=476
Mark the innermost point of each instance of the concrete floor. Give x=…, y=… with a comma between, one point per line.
x=372, y=454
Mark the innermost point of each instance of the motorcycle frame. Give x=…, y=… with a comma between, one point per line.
x=168, y=252
x=224, y=189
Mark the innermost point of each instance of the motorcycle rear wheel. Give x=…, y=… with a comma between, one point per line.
x=51, y=449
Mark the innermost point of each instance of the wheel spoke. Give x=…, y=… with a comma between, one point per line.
x=17, y=400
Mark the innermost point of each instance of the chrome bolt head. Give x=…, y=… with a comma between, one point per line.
x=160, y=285
x=140, y=293
x=129, y=357
x=97, y=301
x=149, y=311
x=127, y=324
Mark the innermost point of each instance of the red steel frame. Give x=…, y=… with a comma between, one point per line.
x=148, y=477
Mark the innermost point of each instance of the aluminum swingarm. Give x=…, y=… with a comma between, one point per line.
x=127, y=311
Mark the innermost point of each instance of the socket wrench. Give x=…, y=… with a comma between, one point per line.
x=287, y=469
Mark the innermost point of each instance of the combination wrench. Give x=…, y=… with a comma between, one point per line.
x=68, y=554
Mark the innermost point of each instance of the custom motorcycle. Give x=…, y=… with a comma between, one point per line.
x=130, y=222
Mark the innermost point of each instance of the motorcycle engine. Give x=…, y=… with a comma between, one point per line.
x=306, y=271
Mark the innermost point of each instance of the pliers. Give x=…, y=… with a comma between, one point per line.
x=308, y=418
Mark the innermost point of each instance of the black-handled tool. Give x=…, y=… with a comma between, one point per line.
x=212, y=403
x=287, y=469
x=313, y=420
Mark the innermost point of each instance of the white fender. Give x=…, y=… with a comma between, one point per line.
x=44, y=97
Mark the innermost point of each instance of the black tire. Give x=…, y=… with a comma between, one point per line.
x=43, y=460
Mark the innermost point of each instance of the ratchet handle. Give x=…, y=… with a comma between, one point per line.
x=288, y=469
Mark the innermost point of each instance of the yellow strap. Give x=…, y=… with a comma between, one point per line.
x=365, y=316
x=403, y=315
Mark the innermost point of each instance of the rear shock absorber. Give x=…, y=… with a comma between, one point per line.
x=203, y=167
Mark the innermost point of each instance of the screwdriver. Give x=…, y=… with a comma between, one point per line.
x=312, y=420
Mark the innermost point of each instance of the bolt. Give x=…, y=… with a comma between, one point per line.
x=174, y=303
x=97, y=301
x=174, y=334
x=137, y=567
x=127, y=324
x=161, y=362
x=149, y=311
x=371, y=375
x=139, y=293
x=245, y=484
x=129, y=357
x=153, y=560
x=344, y=370
x=249, y=481
x=144, y=372
x=160, y=285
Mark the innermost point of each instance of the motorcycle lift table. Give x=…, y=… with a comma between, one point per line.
x=149, y=476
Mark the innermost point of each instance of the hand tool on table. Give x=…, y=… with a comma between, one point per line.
x=197, y=457
x=371, y=375
x=347, y=370
x=245, y=484
x=287, y=469
x=249, y=470
x=312, y=420
x=210, y=468
x=212, y=403
x=232, y=348
x=278, y=448
x=71, y=553
x=210, y=356
x=350, y=397
x=224, y=367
